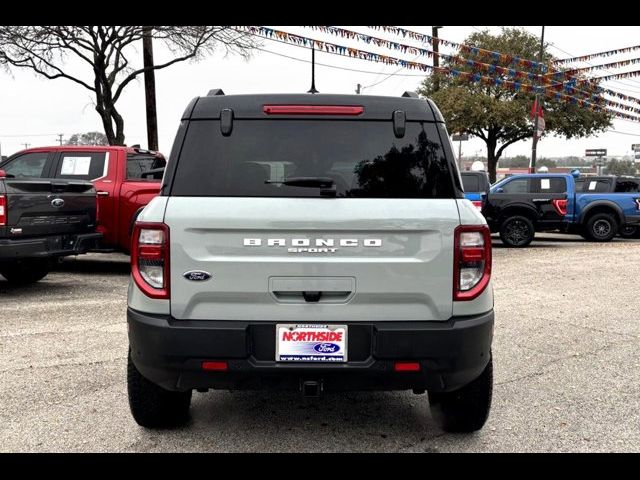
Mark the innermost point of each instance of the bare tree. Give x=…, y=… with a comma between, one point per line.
x=107, y=52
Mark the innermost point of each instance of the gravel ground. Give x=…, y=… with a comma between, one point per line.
x=566, y=360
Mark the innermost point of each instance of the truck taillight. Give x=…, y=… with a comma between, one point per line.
x=471, y=261
x=3, y=210
x=150, y=258
x=560, y=205
x=638, y=203
x=477, y=204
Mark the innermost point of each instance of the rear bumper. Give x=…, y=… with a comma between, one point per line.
x=170, y=353
x=49, y=246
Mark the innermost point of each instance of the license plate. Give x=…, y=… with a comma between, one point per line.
x=311, y=343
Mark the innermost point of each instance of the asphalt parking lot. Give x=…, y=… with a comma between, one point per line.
x=566, y=360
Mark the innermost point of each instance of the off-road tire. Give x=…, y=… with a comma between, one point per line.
x=151, y=405
x=467, y=409
x=601, y=227
x=517, y=231
x=25, y=272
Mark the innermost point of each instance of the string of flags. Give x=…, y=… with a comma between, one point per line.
x=591, y=56
x=565, y=78
x=467, y=49
x=618, y=64
x=473, y=77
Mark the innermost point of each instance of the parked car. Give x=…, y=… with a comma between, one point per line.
x=612, y=184
x=42, y=220
x=476, y=187
x=521, y=205
x=125, y=178
x=344, y=258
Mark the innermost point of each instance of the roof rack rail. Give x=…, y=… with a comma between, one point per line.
x=215, y=92
x=410, y=94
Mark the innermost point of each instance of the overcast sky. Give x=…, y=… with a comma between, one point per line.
x=34, y=110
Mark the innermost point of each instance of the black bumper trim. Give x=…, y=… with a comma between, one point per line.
x=170, y=352
x=632, y=220
x=49, y=246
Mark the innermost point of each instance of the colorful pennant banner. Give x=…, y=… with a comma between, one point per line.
x=467, y=49
x=608, y=53
x=473, y=77
x=618, y=64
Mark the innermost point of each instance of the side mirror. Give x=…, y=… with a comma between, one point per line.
x=499, y=190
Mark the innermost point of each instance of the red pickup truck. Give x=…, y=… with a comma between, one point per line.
x=125, y=179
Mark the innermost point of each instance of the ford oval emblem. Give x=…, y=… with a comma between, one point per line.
x=197, y=275
x=57, y=202
x=326, y=348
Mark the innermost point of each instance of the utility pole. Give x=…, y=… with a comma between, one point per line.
x=538, y=105
x=60, y=138
x=358, y=89
x=26, y=145
x=436, y=57
x=150, y=89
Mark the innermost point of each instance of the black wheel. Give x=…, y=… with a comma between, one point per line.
x=629, y=231
x=517, y=231
x=151, y=405
x=601, y=227
x=467, y=409
x=25, y=271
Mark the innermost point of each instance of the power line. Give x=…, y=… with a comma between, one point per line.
x=332, y=66
x=31, y=135
x=624, y=133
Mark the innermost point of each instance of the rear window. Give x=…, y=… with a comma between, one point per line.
x=626, y=185
x=144, y=167
x=363, y=159
x=471, y=183
x=548, y=185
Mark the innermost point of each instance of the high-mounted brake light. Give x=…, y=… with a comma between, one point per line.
x=3, y=210
x=560, y=205
x=313, y=109
x=150, y=258
x=471, y=261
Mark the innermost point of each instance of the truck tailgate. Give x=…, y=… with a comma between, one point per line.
x=371, y=259
x=49, y=207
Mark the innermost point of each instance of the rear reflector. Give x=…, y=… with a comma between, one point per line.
x=3, y=210
x=313, y=109
x=217, y=366
x=407, y=367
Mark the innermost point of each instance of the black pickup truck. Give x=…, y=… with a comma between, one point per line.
x=42, y=220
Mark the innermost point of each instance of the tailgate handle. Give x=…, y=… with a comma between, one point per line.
x=59, y=187
x=311, y=297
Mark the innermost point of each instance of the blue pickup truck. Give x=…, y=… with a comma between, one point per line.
x=476, y=187
x=595, y=207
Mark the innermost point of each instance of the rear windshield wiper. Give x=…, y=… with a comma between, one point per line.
x=317, y=182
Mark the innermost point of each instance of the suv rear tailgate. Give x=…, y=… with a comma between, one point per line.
x=404, y=273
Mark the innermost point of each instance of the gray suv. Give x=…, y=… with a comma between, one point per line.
x=315, y=243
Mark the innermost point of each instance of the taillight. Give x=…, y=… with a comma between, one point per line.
x=150, y=258
x=3, y=210
x=560, y=205
x=313, y=109
x=471, y=261
x=638, y=203
x=477, y=204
